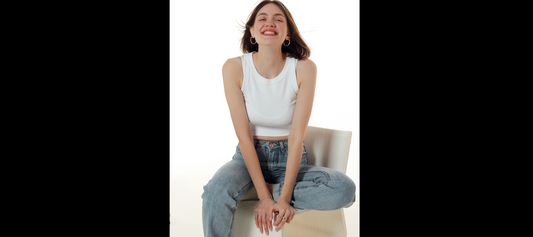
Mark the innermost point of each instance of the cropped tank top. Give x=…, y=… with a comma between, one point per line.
x=269, y=102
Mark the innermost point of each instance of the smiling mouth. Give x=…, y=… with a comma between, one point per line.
x=269, y=33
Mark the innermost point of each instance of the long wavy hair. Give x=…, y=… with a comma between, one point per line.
x=297, y=48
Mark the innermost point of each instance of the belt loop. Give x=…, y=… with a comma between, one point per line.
x=281, y=144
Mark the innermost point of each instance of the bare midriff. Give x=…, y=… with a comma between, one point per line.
x=271, y=139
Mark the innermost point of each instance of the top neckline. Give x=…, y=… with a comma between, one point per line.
x=273, y=80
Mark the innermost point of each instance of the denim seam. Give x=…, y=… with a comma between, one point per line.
x=239, y=193
x=306, y=187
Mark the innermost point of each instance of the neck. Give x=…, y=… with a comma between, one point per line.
x=269, y=61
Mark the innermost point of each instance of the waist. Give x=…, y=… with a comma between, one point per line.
x=266, y=143
x=266, y=132
x=271, y=139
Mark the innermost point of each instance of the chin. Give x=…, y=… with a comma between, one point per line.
x=272, y=44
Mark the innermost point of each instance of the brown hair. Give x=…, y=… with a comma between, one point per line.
x=297, y=48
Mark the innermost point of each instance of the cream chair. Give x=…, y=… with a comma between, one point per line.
x=327, y=148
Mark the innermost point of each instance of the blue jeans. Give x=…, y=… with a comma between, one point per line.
x=316, y=188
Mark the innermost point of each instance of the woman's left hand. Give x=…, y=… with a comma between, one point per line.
x=285, y=213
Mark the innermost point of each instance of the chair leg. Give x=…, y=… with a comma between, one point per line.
x=317, y=224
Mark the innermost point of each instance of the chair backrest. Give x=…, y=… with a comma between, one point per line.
x=328, y=147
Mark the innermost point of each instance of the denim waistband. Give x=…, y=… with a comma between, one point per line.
x=263, y=143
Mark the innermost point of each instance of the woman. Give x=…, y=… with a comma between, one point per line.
x=270, y=91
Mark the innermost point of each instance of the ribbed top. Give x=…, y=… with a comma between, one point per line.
x=269, y=102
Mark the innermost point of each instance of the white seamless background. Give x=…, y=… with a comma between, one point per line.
x=203, y=35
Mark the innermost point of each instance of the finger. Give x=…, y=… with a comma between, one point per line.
x=269, y=221
x=260, y=225
x=256, y=221
x=293, y=213
x=265, y=226
x=278, y=221
x=274, y=219
x=283, y=220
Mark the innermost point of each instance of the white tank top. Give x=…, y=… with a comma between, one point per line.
x=269, y=102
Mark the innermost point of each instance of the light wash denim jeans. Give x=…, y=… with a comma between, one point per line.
x=316, y=188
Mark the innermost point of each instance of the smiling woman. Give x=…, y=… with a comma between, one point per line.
x=270, y=92
x=203, y=35
x=285, y=30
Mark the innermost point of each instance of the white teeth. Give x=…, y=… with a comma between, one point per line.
x=269, y=33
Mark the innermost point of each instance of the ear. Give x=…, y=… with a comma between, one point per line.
x=287, y=37
x=251, y=31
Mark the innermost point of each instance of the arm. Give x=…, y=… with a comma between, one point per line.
x=232, y=75
x=306, y=73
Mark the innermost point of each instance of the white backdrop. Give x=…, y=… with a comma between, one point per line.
x=203, y=35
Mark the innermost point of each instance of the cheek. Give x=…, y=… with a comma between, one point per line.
x=257, y=28
x=284, y=29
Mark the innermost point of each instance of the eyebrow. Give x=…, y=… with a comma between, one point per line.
x=277, y=14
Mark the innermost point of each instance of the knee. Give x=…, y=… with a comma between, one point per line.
x=345, y=194
x=349, y=193
x=212, y=189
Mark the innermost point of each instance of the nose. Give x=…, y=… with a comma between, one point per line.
x=270, y=23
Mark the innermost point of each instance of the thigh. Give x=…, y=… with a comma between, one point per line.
x=319, y=174
x=311, y=176
x=232, y=177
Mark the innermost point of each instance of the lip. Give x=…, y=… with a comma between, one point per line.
x=271, y=30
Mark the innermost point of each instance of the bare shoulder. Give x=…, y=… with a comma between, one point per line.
x=232, y=71
x=305, y=71
x=306, y=64
x=232, y=66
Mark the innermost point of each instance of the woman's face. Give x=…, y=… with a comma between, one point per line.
x=270, y=26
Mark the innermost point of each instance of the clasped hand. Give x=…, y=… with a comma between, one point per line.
x=265, y=211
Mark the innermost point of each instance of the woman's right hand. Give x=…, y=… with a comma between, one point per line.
x=263, y=219
x=285, y=213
